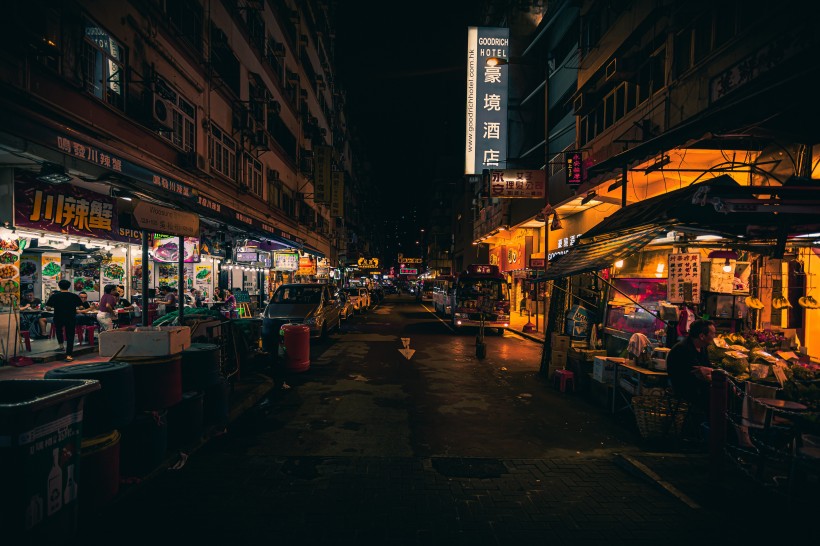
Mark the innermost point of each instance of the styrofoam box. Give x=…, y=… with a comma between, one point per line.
x=603, y=368
x=168, y=340
x=602, y=371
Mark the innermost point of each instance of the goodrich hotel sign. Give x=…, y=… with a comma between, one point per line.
x=486, y=146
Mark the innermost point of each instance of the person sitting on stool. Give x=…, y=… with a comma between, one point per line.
x=689, y=368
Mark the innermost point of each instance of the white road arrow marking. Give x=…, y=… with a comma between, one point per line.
x=406, y=350
x=408, y=353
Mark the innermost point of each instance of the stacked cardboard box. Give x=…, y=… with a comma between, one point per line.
x=603, y=368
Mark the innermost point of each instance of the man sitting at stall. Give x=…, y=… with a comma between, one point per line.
x=123, y=318
x=86, y=312
x=689, y=368
x=35, y=323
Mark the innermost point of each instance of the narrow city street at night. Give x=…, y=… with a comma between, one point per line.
x=371, y=447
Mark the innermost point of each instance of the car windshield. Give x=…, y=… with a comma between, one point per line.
x=297, y=294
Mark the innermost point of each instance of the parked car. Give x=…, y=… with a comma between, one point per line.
x=390, y=289
x=359, y=297
x=311, y=304
x=346, y=307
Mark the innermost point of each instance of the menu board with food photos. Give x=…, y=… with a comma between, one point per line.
x=30, y=275
x=684, y=278
x=113, y=272
x=51, y=271
x=167, y=275
x=136, y=273
x=203, y=279
x=9, y=272
x=87, y=279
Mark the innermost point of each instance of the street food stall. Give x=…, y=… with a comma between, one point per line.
x=745, y=257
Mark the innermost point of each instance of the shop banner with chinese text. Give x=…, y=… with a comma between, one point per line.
x=67, y=209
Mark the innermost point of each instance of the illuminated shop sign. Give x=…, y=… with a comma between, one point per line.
x=165, y=248
x=69, y=210
x=564, y=244
x=286, y=261
x=487, y=91
x=372, y=263
x=518, y=183
x=575, y=168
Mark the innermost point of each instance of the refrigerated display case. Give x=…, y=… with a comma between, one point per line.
x=623, y=317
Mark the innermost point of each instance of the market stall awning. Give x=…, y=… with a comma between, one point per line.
x=595, y=255
x=723, y=207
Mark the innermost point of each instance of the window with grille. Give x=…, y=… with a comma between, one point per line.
x=183, y=114
x=187, y=16
x=253, y=175
x=103, y=65
x=223, y=152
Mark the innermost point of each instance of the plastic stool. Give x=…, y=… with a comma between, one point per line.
x=25, y=335
x=89, y=333
x=78, y=333
x=564, y=377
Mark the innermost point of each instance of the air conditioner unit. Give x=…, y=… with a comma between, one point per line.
x=162, y=111
x=303, y=93
x=278, y=49
x=275, y=106
x=192, y=161
x=293, y=77
x=273, y=175
x=303, y=39
x=320, y=80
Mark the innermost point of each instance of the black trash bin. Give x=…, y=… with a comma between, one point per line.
x=40, y=440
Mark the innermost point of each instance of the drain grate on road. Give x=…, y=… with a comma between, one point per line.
x=469, y=468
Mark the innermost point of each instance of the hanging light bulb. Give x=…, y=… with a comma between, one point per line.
x=619, y=264
x=660, y=267
x=727, y=267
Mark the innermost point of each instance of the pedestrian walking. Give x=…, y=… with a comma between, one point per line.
x=65, y=304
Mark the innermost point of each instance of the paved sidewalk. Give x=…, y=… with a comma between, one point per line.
x=518, y=324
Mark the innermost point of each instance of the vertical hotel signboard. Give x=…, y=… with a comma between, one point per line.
x=486, y=145
x=337, y=194
x=321, y=174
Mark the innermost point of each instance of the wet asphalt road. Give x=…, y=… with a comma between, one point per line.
x=363, y=397
x=370, y=447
